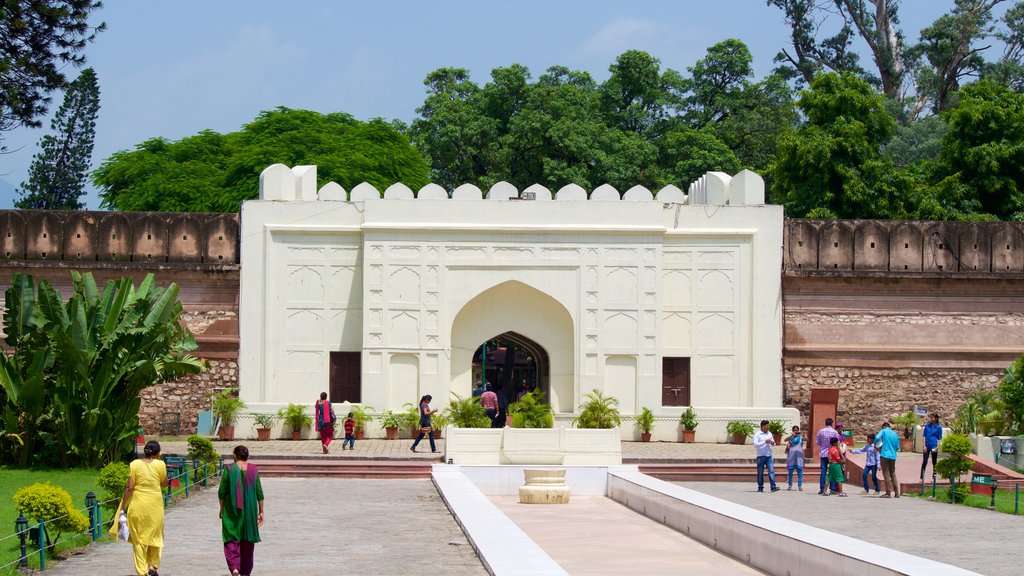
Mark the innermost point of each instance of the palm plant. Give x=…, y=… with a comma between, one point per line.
x=531, y=412
x=467, y=412
x=599, y=411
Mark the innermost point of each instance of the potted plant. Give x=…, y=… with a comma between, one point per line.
x=264, y=422
x=391, y=422
x=599, y=411
x=226, y=407
x=739, y=429
x=777, y=429
x=644, y=422
x=531, y=411
x=466, y=412
x=438, y=422
x=409, y=419
x=906, y=422
x=688, y=421
x=295, y=416
x=361, y=419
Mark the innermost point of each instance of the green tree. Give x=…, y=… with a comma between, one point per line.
x=808, y=55
x=73, y=376
x=212, y=172
x=980, y=170
x=56, y=178
x=832, y=166
x=38, y=39
x=1009, y=69
x=1011, y=392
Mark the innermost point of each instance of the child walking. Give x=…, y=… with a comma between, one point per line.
x=350, y=432
x=835, y=468
x=870, y=463
x=795, y=458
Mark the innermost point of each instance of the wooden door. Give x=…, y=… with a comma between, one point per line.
x=675, y=381
x=346, y=377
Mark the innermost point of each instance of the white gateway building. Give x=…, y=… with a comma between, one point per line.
x=662, y=300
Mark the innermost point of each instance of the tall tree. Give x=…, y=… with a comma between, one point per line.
x=38, y=39
x=1009, y=69
x=808, y=55
x=56, y=178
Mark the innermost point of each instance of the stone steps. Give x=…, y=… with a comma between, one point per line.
x=308, y=467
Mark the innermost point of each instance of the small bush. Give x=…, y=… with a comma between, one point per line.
x=644, y=421
x=688, y=419
x=742, y=427
x=956, y=464
x=113, y=478
x=599, y=411
x=531, y=412
x=52, y=504
x=467, y=412
x=201, y=449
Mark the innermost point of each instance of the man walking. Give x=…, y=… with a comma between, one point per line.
x=764, y=441
x=888, y=444
x=823, y=440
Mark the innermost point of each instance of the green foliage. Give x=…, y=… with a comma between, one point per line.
x=993, y=423
x=113, y=478
x=390, y=420
x=740, y=427
x=294, y=415
x=776, y=426
x=467, y=412
x=211, y=172
x=907, y=422
x=264, y=420
x=410, y=417
x=956, y=464
x=688, y=419
x=72, y=379
x=226, y=406
x=1011, y=393
x=531, y=411
x=40, y=39
x=644, y=421
x=599, y=411
x=56, y=177
x=360, y=416
x=201, y=449
x=956, y=445
x=53, y=505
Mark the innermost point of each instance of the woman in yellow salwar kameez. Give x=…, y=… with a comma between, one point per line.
x=144, y=502
x=241, y=512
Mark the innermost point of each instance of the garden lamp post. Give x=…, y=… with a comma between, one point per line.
x=21, y=529
x=992, y=504
x=90, y=504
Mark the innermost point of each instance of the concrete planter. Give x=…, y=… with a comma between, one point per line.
x=533, y=446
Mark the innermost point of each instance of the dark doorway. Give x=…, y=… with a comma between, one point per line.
x=511, y=361
x=346, y=377
x=675, y=381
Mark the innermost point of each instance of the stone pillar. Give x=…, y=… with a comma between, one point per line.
x=544, y=487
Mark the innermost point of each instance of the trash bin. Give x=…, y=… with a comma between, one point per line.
x=981, y=484
x=848, y=437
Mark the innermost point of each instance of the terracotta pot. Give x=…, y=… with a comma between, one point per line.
x=359, y=433
x=689, y=436
x=645, y=436
x=437, y=432
x=739, y=438
x=263, y=434
x=906, y=444
x=392, y=433
x=777, y=438
x=226, y=433
x=296, y=434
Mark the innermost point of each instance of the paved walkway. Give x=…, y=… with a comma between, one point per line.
x=600, y=536
x=313, y=526
x=971, y=538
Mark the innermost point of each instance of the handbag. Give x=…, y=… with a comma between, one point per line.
x=122, y=527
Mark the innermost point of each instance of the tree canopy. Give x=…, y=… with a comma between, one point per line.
x=211, y=172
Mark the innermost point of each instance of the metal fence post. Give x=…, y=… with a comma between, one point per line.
x=995, y=483
x=187, y=475
x=42, y=545
x=1016, y=497
x=99, y=521
x=952, y=486
x=933, y=485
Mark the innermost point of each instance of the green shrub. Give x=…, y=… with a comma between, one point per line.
x=201, y=449
x=956, y=463
x=410, y=418
x=599, y=411
x=389, y=420
x=744, y=427
x=52, y=504
x=688, y=419
x=467, y=412
x=531, y=412
x=295, y=417
x=360, y=416
x=113, y=478
x=644, y=421
x=906, y=422
x=776, y=427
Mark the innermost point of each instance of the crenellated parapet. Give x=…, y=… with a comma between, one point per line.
x=898, y=247
x=95, y=236
x=281, y=183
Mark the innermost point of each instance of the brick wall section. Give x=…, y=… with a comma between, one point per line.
x=868, y=396
x=185, y=396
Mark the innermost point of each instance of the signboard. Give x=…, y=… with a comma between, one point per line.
x=1007, y=446
x=921, y=411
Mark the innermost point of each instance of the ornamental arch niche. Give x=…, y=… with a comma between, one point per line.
x=533, y=317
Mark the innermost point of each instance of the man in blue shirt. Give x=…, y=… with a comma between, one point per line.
x=932, y=435
x=888, y=444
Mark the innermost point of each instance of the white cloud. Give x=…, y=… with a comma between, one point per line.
x=622, y=34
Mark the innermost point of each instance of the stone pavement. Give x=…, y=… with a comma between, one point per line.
x=971, y=538
x=313, y=526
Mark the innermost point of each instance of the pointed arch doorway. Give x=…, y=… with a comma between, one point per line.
x=511, y=363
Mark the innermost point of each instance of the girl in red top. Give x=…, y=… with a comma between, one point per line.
x=835, y=468
x=325, y=421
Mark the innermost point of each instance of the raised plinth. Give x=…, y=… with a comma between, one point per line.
x=544, y=487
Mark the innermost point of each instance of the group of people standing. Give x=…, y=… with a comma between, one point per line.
x=880, y=453
x=241, y=511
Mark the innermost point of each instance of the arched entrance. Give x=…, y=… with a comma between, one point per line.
x=511, y=362
x=530, y=321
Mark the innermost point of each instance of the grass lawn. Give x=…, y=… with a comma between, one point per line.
x=1004, y=500
x=76, y=482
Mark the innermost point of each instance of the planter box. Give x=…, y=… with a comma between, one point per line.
x=533, y=446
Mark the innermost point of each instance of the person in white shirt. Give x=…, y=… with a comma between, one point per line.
x=763, y=442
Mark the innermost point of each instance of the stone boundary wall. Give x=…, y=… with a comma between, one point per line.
x=868, y=396
x=185, y=396
x=95, y=236
x=904, y=247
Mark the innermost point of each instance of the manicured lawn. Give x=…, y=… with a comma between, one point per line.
x=1004, y=500
x=76, y=482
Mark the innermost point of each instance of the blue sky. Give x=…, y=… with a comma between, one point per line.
x=172, y=69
